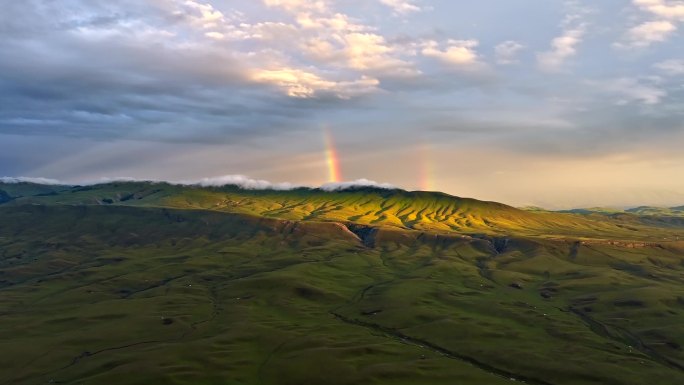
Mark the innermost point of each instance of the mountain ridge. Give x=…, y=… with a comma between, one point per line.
x=363, y=205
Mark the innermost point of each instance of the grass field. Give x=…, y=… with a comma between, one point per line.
x=165, y=284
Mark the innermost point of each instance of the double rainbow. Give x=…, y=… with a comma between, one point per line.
x=425, y=166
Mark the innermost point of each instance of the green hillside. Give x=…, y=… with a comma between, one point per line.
x=428, y=211
x=140, y=283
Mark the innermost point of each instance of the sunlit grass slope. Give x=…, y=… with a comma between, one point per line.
x=427, y=211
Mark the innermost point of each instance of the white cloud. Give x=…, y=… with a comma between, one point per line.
x=215, y=35
x=370, y=51
x=401, y=7
x=323, y=50
x=216, y=25
x=671, y=67
x=357, y=183
x=330, y=38
x=562, y=48
x=326, y=36
x=667, y=16
x=337, y=22
x=302, y=84
x=672, y=10
x=506, y=52
x=456, y=52
x=204, y=14
x=24, y=179
x=337, y=40
x=650, y=32
x=241, y=181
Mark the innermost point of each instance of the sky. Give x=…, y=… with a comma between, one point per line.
x=558, y=104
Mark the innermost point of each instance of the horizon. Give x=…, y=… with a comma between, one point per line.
x=580, y=106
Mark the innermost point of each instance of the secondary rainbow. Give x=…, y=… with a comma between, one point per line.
x=425, y=182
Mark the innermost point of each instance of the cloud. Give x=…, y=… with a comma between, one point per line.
x=337, y=40
x=161, y=71
x=215, y=35
x=506, y=52
x=356, y=183
x=241, y=181
x=226, y=180
x=370, y=51
x=671, y=67
x=645, y=34
x=401, y=7
x=562, y=48
x=459, y=53
x=667, y=14
x=630, y=90
x=204, y=14
x=24, y=179
x=301, y=84
x=672, y=10
x=324, y=22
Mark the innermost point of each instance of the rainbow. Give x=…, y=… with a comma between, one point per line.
x=333, y=161
x=426, y=169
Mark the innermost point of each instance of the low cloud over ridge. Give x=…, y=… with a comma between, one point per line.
x=241, y=181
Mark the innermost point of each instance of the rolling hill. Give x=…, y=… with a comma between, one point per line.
x=429, y=211
x=152, y=283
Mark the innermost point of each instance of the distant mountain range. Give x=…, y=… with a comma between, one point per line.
x=641, y=210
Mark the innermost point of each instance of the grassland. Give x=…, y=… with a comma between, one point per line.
x=158, y=284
